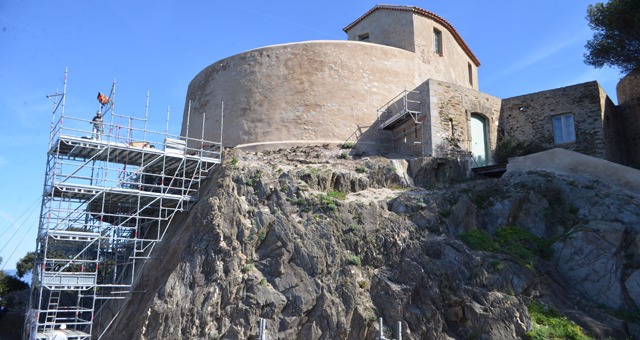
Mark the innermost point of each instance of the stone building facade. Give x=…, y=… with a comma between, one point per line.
x=335, y=92
x=580, y=118
x=628, y=91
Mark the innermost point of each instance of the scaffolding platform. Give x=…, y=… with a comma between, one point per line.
x=70, y=333
x=404, y=107
x=71, y=191
x=398, y=119
x=68, y=281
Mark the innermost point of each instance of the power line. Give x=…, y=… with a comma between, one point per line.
x=18, y=229
x=23, y=213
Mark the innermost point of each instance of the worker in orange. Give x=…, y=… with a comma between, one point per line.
x=102, y=99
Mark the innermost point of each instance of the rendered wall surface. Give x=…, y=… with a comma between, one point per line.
x=323, y=91
x=390, y=28
x=414, y=32
x=534, y=121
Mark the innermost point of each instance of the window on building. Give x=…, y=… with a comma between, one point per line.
x=437, y=41
x=470, y=70
x=363, y=37
x=563, y=129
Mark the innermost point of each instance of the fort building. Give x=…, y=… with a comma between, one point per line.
x=405, y=83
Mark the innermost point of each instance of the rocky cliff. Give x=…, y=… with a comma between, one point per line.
x=321, y=245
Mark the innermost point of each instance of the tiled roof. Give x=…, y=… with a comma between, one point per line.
x=425, y=14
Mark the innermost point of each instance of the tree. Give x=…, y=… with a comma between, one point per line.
x=25, y=264
x=616, y=41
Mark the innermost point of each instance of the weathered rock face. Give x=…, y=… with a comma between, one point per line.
x=273, y=237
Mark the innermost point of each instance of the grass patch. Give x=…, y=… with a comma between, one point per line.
x=522, y=244
x=361, y=169
x=337, y=194
x=247, y=268
x=477, y=239
x=548, y=323
x=514, y=241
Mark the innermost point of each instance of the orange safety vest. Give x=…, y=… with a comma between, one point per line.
x=102, y=98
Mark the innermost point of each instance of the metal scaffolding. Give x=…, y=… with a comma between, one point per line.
x=108, y=199
x=406, y=106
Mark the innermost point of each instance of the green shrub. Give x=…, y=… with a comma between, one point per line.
x=234, y=161
x=247, y=267
x=548, y=323
x=361, y=169
x=262, y=234
x=255, y=178
x=348, y=145
x=354, y=260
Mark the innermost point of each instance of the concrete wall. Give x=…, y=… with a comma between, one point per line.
x=572, y=163
x=528, y=117
x=628, y=91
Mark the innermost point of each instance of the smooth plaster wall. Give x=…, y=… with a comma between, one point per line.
x=321, y=91
x=573, y=163
x=387, y=27
x=413, y=32
x=452, y=66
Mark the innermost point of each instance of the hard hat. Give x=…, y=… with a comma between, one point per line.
x=63, y=326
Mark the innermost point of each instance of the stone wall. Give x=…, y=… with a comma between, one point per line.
x=529, y=117
x=443, y=128
x=450, y=108
x=628, y=91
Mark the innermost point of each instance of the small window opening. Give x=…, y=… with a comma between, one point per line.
x=470, y=70
x=437, y=41
x=363, y=37
x=453, y=129
x=563, y=129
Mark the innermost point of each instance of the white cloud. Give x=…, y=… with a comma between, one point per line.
x=7, y=217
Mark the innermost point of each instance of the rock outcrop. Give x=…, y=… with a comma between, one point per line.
x=321, y=247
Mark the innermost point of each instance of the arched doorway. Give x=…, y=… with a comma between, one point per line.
x=479, y=148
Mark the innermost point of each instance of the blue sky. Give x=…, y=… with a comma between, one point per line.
x=159, y=46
